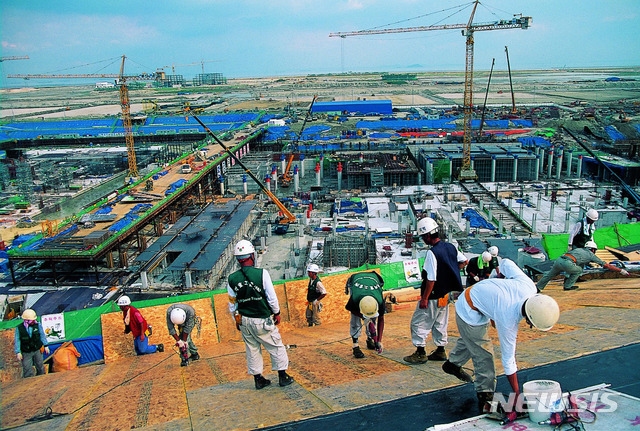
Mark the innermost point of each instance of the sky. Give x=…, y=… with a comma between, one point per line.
x=258, y=38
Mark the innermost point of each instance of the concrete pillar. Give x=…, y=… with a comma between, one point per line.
x=541, y=160
x=318, y=179
x=500, y=226
x=625, y=202
x=221, y=185
x=188, y=284
x=536, y=169
x=568, y=202
x=283, y=165
x=268, y=180
x=468, y=226
x=539, y=200
x=533, y=222
x=481, y=205
x=301, y=165
x=550, y=163
x=579, y=169
x=244, y=183
x=400, y=220
x=569, y=161
x=553, y=208
x=493, y=169
x=296, y=179
x=429, y=168
x=515, y=168
x=339, y=176
x=521, y=208
x=321, y=161
x=566, y=222
x=144, y=280
x=450, y=170
x=559, y=164
x=274, y=175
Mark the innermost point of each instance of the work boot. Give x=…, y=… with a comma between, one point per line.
x=438, y=355
x=416, y=357
x=574, y=287
x=371, y=345
x=358, y=353
x=194, y=356
x=260, y=381
x=160, y=347
x=484, y=402
x=455, y=370
x=284, y=379
x=185, y=362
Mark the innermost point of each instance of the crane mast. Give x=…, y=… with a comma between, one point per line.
x=126, y=122
x=468, y=30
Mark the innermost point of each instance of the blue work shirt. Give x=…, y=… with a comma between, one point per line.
x=43, y=337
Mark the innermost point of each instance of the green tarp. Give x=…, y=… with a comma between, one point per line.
x=614, y=236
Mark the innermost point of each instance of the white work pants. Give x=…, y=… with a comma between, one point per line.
x=258, y=332
x=431, y=319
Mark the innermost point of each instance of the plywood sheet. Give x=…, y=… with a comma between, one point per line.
x=118, y=345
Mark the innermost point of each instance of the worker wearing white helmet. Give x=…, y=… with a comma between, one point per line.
x=478, y=268
x=135, y=323
x=315, y=293
x=366, y=305
x=181, y=321
x=254, y=304
x=29, y=339
x=572, y=265
x=582, y=231
x=440, y=277
x=494, y=265
x=505, y=301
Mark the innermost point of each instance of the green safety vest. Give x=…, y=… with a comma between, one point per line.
x=364, y=284
x=29, y=343
x=250, y=295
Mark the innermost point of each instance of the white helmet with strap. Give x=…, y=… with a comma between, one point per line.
x=313, y=268
x=493, y=250
x=178, y=316
x=243, y=248
x=124, y=300
x=591, y=244
x=592, y=214
x=486, y=257
x=542, y=311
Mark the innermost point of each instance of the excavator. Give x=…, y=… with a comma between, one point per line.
x=286, y=218
x=285, y=178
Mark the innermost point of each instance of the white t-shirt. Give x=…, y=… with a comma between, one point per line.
x=500, y=300
x=267, y=284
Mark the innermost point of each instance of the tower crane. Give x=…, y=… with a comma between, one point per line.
x=468, y=30
x=121, y=80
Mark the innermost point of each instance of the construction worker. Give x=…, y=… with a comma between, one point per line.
x=478, y=268
x=135, y=323
x=503, y=302
x=440, y=276
x=494, y=265
x=183, y=316
x=572, y=265
x=29, y=340
x=315, y=292
x=582, y=231
x=366, y=305
x=254, y=305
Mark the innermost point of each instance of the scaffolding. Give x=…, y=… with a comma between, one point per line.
x=351, y=250
x=209, y=79
x=24, y=181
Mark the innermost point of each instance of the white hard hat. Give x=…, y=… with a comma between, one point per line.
x=313, y=268
x=427, y=225
x=591, y=244
x=29, y=314
x=542, y=311
x=493, y=250
x=369, y=307
x=243, y=248
x=486, y=256
x=124, y=300
x=592, y=214
x=178, y=316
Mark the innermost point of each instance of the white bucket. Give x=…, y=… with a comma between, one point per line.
x=543, y=398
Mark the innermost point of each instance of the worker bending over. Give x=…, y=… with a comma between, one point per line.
x=365, y=304
x=183, y=316
x=505, y=302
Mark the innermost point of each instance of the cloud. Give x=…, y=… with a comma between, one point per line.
x=9, y=45
x=354, y=4
x=620, y=18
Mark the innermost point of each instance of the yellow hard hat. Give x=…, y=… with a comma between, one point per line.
x=369, y=307
x=29, y=314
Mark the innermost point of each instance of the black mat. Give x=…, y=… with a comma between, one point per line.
x=618, y=367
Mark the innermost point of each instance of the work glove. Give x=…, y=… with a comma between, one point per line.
x=181, y=345
x=276, y=319
x=379, y=347
x=423, y=303
x=476, y=278
x=46, y=350
x=19, y=355
x=624, y=272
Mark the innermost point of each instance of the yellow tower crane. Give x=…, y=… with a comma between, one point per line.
x=468, y=29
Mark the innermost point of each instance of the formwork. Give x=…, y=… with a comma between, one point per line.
x=351, y=250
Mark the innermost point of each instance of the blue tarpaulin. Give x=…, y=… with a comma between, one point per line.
x=90, y=349
x=476, y=220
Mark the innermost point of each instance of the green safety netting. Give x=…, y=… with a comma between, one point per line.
x=617, y=235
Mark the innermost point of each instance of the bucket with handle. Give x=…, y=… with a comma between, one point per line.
x=543, y=398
